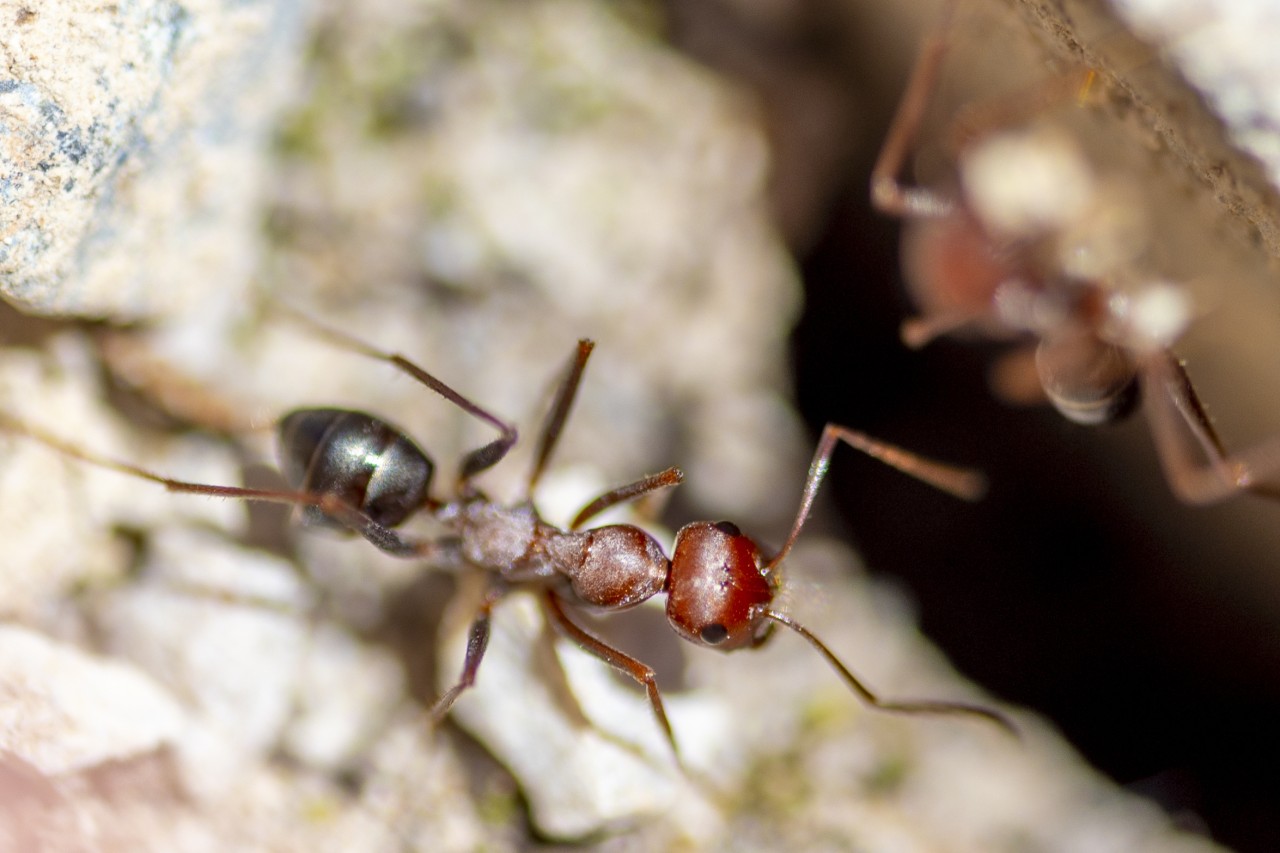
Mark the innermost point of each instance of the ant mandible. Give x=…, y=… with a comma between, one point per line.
x=356, y=472
x=1095, y=348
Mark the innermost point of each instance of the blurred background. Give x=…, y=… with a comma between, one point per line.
x=1148, y=630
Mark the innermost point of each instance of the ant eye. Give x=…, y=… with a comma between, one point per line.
x=714, y=634
x=728, y=528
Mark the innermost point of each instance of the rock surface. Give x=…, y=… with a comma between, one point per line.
x=476, y=184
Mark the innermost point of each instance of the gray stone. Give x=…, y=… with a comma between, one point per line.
x=132, y=138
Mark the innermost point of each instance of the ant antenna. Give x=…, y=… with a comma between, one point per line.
x=960, y=482
x=963, y=709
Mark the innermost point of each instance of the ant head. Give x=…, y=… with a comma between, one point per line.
x=718, y=592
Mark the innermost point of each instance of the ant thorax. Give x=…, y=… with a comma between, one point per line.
x=613, y=567
x=497, y=537
x=1026, y=243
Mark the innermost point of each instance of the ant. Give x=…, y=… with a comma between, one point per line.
x=973, y=266
x=358, y=473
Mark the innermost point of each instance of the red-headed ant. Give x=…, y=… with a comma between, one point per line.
x=356, y=472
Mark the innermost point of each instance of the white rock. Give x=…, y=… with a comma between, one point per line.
x=58, y=514
x=1226, y=49
x=227, y=630
x=344, y=691
x=583, y=777
x=65, y=710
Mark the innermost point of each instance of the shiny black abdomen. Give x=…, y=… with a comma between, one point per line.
x=363, y=460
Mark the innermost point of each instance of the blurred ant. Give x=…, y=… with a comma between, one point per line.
x=356, y=472
x=1008, y=254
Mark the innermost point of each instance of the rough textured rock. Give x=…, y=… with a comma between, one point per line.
x=478, y=184
x=131, y=150
x=65, y=711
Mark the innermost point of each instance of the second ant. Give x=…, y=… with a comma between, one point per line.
x=1033, y=243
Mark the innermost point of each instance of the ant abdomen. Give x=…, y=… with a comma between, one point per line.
x=362, y=460
x=1088, y=380
x=718, y=591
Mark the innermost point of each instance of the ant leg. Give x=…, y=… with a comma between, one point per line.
x=620, y=661
x=565, y=395
x=1177, y=418
x=977, y=120
x=135, y=367
x=474, y=462
x=442, y=553
x=961, y=482
x=382, y=537
x=888, y=194
x=477, y=643
x=555, y=421
x=629, y=492
x=919, y=332
x=1014, y=380
x=913, y=707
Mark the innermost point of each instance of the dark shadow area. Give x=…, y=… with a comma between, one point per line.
x=1060, y=591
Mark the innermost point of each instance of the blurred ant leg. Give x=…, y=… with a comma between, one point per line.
x=477, y=643
x=474, y=462
x=1178, y=419
x=1121, y=54
x=1182, y=393
x=620, y=661
x=550, y=668
x=382, y=537
x=559, y=413
x=1014, y=379
x=133, y=364
x=888, y=194
x=920, y=331
x=961, y=482
x=980, y=119
x=629, y=492
x=908, y=707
